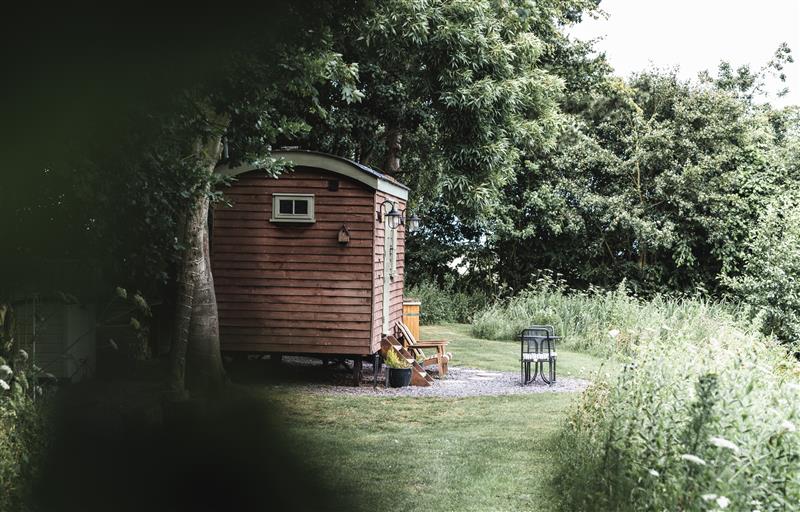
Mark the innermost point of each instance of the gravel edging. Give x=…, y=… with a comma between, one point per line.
x=459, y=382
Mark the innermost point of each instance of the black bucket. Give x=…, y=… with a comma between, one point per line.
x=399, y=377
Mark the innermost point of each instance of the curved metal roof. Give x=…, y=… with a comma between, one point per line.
x=339, y=165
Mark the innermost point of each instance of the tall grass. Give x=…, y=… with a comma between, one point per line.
x=445, y=305
x=690, y=424
x=601, y=322
x=700, y=413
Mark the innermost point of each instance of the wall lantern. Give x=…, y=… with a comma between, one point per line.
x=413, y=223
x=397, y=218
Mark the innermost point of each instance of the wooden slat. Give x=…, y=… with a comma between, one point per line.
x=290, y=291
x=228, y=224
x=297, y=311
x=274, y=324
x=277, y=241
x=288, y=332
x=295, y=265
x=292, y=250
x=302, y=275
x=255, y=345
x=255, y=257
x=293, y=283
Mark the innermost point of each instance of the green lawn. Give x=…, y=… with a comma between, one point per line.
x=403, y=454
x=502, y=355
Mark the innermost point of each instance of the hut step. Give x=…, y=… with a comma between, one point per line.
x=419, y=377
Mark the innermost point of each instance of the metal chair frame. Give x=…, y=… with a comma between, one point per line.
x=540, y=341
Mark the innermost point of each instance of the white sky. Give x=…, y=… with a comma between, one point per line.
x=697, y=35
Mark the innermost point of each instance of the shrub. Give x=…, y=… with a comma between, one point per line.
x=768, y=283
x=394, y=361
x=22, y=425
x=701, y=418
x=21, y=446
x=445, y=305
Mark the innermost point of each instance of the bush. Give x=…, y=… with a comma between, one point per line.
x=691, y=424
x=704, y=414
x=22, y=425
x=445, y=305
x=21, y=447
x=768, y=284
x=603, y=322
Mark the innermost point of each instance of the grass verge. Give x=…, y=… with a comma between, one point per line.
x=468, y=454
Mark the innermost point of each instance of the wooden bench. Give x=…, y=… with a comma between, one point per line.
x=442, y=357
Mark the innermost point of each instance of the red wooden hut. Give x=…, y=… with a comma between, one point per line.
x=309, y=263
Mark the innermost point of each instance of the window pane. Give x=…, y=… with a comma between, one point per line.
x=301, y=207
x=285, y=206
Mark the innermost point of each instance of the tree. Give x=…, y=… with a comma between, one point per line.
x=656, y=181
x=137, y=185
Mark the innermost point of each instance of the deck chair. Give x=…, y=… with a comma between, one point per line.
x=538, y=346
x=441, y=359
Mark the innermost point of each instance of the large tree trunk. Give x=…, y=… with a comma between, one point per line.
x=195, y=359
x=393, y=139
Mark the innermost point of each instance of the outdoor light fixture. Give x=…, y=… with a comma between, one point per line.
x=394, y=217
x=397, y=218
x=413, y=223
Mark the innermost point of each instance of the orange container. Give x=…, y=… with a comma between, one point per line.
x=411, y=316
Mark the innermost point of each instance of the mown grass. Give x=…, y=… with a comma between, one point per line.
x=479, y=453
x=469, y=454
x=474, y=352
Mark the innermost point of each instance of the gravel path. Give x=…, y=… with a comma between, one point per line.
x=459, y=382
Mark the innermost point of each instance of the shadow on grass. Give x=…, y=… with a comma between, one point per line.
x=115, y=447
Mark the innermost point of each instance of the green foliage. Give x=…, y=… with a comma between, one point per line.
x=23, y=435
x=465, y=83
x=604, y=322
x=695, y=421
x=768, y=282
x=657, y=181
x=445, y=305
x=392, y=360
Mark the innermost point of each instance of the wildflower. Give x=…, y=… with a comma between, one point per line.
x=6, y=369
x=694, y=459
x=4, y=385
x=721, y=442
x=709, y=497
x=653, y=472
x=613, y=333
x=122, y=293
x=723, y=502
x=788, y=426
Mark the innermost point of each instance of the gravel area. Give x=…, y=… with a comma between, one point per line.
x=459, y=382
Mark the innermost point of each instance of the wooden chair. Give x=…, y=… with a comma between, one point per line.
x=442, y=357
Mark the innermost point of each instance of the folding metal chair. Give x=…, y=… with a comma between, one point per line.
x=537, y=347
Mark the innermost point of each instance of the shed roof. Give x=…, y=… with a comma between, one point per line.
x=336, y=164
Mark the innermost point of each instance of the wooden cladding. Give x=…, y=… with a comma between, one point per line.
x=294, y=288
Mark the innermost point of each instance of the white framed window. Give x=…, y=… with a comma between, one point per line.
x=292, y=208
